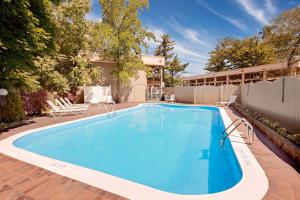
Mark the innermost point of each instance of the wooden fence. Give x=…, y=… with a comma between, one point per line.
x=278, y=100
x=203, y=94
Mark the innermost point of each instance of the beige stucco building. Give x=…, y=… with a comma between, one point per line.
x=136, y=90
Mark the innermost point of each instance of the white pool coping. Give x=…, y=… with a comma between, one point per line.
x=253, y=185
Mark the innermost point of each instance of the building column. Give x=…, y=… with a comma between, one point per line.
x=161, y=80
x=204, y=82
x=264, y=75
x=243, y=78
x=215, y=81
x=196, y=82
x=227, y=80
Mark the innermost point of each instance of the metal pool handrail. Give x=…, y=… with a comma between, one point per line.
x=241, y=121
x=111, y=111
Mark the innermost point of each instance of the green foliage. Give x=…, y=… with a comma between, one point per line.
x=19, y=78
x=71, y=26
x=124, y=35
x=102, y=39
x=13, y=109
x=82, y=73
x=284, y=35
x=173, y=71
x=234, y=53
x=74, y=35
x=39, y=40
x=277, y=127
x=26, y=29
x=280, y=41
x=165, y=48
x=173, y=67
x=48, y=77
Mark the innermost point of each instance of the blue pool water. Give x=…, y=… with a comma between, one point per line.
x=171, y=148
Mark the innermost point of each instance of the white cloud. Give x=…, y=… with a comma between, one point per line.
x=253, y=10
x=189, y=34
x=193, y=35
x=271, y=8
x=188, y=53
x=185, y=48
x=157, y=31
x=93, y=17
x=231, y=20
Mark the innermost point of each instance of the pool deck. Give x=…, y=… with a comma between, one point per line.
x=22, y=181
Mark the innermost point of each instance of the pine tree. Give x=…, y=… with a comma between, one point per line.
x=165, y=48
x=173, y=67
x=173, y=71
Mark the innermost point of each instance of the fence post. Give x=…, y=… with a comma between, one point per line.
x=221, y=93
x=283, y=90
x=194, y=99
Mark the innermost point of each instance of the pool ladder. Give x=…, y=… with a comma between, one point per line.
x=235, y=124
x=111, y=112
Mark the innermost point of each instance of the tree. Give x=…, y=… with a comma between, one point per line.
x=284, y=35
x=26, y=30
x=174, y=69
x=126, y=35
x=48, y=77
x=219, y=57
x=165, y=48
x=72, y=28
x=83, y=73
x=234, y=53
x=74, y=35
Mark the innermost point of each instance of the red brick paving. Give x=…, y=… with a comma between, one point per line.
x=19, y=180
x=281, y=170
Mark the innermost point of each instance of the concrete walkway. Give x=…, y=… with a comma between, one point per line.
x=284, y=180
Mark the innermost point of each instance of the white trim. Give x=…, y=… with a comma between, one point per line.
x=252, y=186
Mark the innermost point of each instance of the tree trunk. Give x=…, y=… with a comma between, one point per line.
x=118, y=91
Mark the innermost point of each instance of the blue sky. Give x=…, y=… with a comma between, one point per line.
x=198, y=25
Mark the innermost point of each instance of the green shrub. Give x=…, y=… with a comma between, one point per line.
x=295, y=138
x=13, y=108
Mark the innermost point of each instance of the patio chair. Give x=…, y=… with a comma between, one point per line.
x=226, y=104
x=109, y=100
x=56, y=111
x=72, y=105
x=171, y=98
x=60, y=104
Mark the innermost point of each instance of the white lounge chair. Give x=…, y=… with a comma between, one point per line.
x=60, y=104
x=109, y=100
x=171, y=98
x=72, y=105
x=232, y=99
x=56, y=111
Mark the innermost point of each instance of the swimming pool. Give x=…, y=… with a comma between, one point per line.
x=169, y=148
